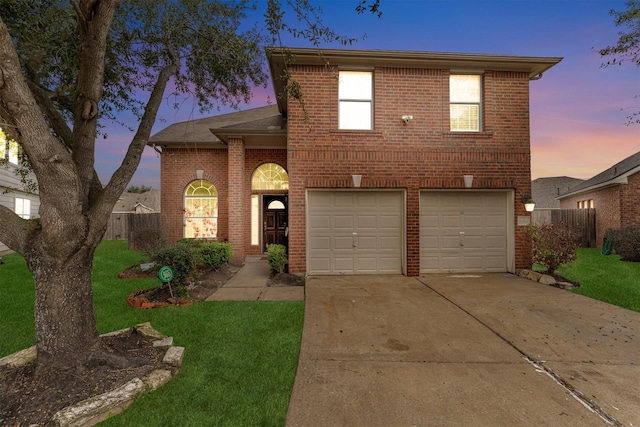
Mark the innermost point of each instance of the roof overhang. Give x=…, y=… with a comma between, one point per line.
x=276, y=138
x=346, y=58
x=619, y=180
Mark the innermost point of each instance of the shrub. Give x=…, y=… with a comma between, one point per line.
x=215, y=254
x=181, y=257
x=625, y=241
x=147, y=240
x=277, y=256
x=553, y=245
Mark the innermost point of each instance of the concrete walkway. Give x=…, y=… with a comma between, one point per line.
x=250, y=284
x=489, y=350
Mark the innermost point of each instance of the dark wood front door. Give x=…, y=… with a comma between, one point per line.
x=275, y=220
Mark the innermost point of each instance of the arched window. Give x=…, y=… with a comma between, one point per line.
x=270, y=176
x=201, y=210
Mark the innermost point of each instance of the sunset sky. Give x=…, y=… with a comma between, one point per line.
x=578, y=109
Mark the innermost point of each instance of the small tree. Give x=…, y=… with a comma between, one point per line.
x=553, y=245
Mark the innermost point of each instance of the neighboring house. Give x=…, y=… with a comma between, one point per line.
x=147, y=202
x=614, y=193
x=12, y=194
x=544, y=192
x=367, y=174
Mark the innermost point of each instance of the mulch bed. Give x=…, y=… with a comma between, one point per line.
x=28, y=400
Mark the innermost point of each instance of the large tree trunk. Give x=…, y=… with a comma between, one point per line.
x=65, y=326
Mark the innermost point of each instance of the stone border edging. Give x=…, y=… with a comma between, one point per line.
x=545, y=279
x=98, y=408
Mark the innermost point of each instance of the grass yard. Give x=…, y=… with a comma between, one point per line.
x=240, y=359
x=605, y=278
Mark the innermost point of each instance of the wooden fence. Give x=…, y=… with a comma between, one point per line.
x=122, y=225
x=582, y=221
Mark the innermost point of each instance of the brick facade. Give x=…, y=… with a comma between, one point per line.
x=420, y=155
x=616, y=205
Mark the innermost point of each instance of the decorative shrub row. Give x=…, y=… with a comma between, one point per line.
x=277, y=257
x=187, y=255
x=625, y=241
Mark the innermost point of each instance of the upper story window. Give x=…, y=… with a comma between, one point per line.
x=23, y=207
x=355, y=95
x=12, y=147
x=465, y=102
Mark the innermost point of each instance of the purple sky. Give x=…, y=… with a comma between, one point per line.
x=578, y=109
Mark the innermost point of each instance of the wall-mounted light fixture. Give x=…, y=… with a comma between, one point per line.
x=357, y=179
x=468, y=181
x=529, y=204
x=407, y=118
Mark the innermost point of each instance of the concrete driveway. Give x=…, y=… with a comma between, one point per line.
x=487, y=350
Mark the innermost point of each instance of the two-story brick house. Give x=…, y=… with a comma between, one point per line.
x=393, y=162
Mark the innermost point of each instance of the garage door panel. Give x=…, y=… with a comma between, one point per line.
x=321, y=243
x=343, y=242
x=375, y=217
x=480, y=216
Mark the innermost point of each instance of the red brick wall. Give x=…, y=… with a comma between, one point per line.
x=420, y=155
x=178, y=169
x=615, y=206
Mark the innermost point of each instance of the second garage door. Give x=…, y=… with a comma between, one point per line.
x=355, y=232
x=463, y=232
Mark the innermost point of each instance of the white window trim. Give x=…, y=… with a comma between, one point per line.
x=479, y=103
x=363, y=100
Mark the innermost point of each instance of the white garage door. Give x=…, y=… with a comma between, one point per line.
x=354, y=232
x=463, y=232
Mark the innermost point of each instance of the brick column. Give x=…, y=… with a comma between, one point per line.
x=236, y=199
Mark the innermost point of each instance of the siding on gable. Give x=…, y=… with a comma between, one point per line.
x=9, y=181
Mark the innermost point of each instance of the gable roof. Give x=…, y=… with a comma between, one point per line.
x=355, y=58
x=148, y=201
x=545, y=190
x=616, y=174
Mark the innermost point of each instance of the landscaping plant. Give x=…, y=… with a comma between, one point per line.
x=625, y=241
x=552, y=245
x=277, y=256
x=214, y=255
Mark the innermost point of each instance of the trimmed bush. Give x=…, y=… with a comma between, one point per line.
x=215, y=254
x=147, y=240
x=277, y=256
x=182, y=258
x=553, y=245
x=625, y=241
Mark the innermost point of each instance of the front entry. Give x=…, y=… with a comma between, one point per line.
x=275, y=215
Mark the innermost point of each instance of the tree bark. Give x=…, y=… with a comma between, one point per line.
x=66, y=333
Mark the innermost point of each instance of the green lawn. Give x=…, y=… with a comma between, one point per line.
x=605, y=278
x=240, y=357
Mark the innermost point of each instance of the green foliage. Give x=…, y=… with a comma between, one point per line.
x=138, y=190
x=552, y=245
x=625, y=241
x=277, y=256
x=215, y=254
x=182, y=258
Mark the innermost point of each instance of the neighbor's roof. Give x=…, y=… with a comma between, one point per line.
x=616, y=174
x=545, y=190
x=213, y=131
x=533, y=66
x=128, y=201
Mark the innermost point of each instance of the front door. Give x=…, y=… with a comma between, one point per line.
x=275, y=220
